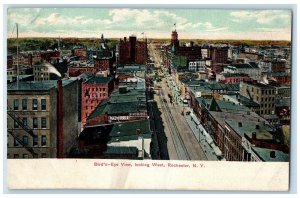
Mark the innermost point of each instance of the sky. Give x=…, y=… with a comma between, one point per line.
x=154, y=23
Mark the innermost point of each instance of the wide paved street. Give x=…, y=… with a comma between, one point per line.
x=181, y=142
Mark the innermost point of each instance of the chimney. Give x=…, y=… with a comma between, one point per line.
x=257, y=126
x=125, y=39
x=59, y=119
x=240, y=124
x=272, y=154
x=253, y=136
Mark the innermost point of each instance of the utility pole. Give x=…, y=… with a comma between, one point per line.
x=17, y=56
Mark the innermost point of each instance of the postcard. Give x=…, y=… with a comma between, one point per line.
x=148, y=98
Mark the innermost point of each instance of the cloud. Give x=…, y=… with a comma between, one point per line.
x=117, y=22
x=261, y=16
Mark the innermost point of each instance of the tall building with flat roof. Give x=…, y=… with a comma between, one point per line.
x=262, y=94
x=43, y=118
x=132, y=51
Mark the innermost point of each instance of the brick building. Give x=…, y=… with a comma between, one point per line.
x=50, y=56
x=191, y=52
x=251, y=56
x=104, y=64
x=132, y=51
x=218, y=54
x=94, y=91
x=78, y=51
x=232, y=78
x=122, y=106
x=278, y=66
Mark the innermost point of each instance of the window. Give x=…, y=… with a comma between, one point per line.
x=24, y=104
x=25, y=140
x=35, y=155
x=44, y=140
x=16, y=143
x=34, y=104
x=25, y=123
x=43, y=101
x=25, y=156
x=16, y=156
x=44, y=123
x=35, y=123
x=16, y=104
x=35, y=140
x=44, y=155
x=16, y=124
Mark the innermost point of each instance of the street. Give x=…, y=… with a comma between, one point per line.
x=181, y=141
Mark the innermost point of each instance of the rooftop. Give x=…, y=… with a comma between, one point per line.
x=131, y=68
x=131, y=101
x=99, y=80
x=249, y=127
x=247, y=102
x=283, y=102
x=193, y=82
x=242, y=66
x=258, y=84
x=221, y=117
x=129, y=150
x=223, y=105
x=222, y=86
x=38, y=85
x=128, y=131
x=265, y=155
x=279, y=74
x=235, y=75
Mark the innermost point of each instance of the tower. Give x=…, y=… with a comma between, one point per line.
x=174, y=39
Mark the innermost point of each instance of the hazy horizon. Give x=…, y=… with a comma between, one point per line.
x=210, y=24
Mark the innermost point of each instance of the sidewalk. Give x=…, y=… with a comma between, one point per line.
x=209, y=152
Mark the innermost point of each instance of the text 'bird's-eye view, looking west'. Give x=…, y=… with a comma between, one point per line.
x=149, y=84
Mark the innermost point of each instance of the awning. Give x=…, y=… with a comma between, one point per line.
x=195, y=118
x=208, y=139
x=217, y=150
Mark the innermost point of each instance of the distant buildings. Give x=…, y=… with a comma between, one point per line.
x=40, y=72
x=252, y=70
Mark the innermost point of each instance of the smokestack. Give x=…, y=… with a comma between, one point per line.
x=59, y=119
x=125, y=39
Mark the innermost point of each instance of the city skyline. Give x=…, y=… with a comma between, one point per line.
x=154, y=23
